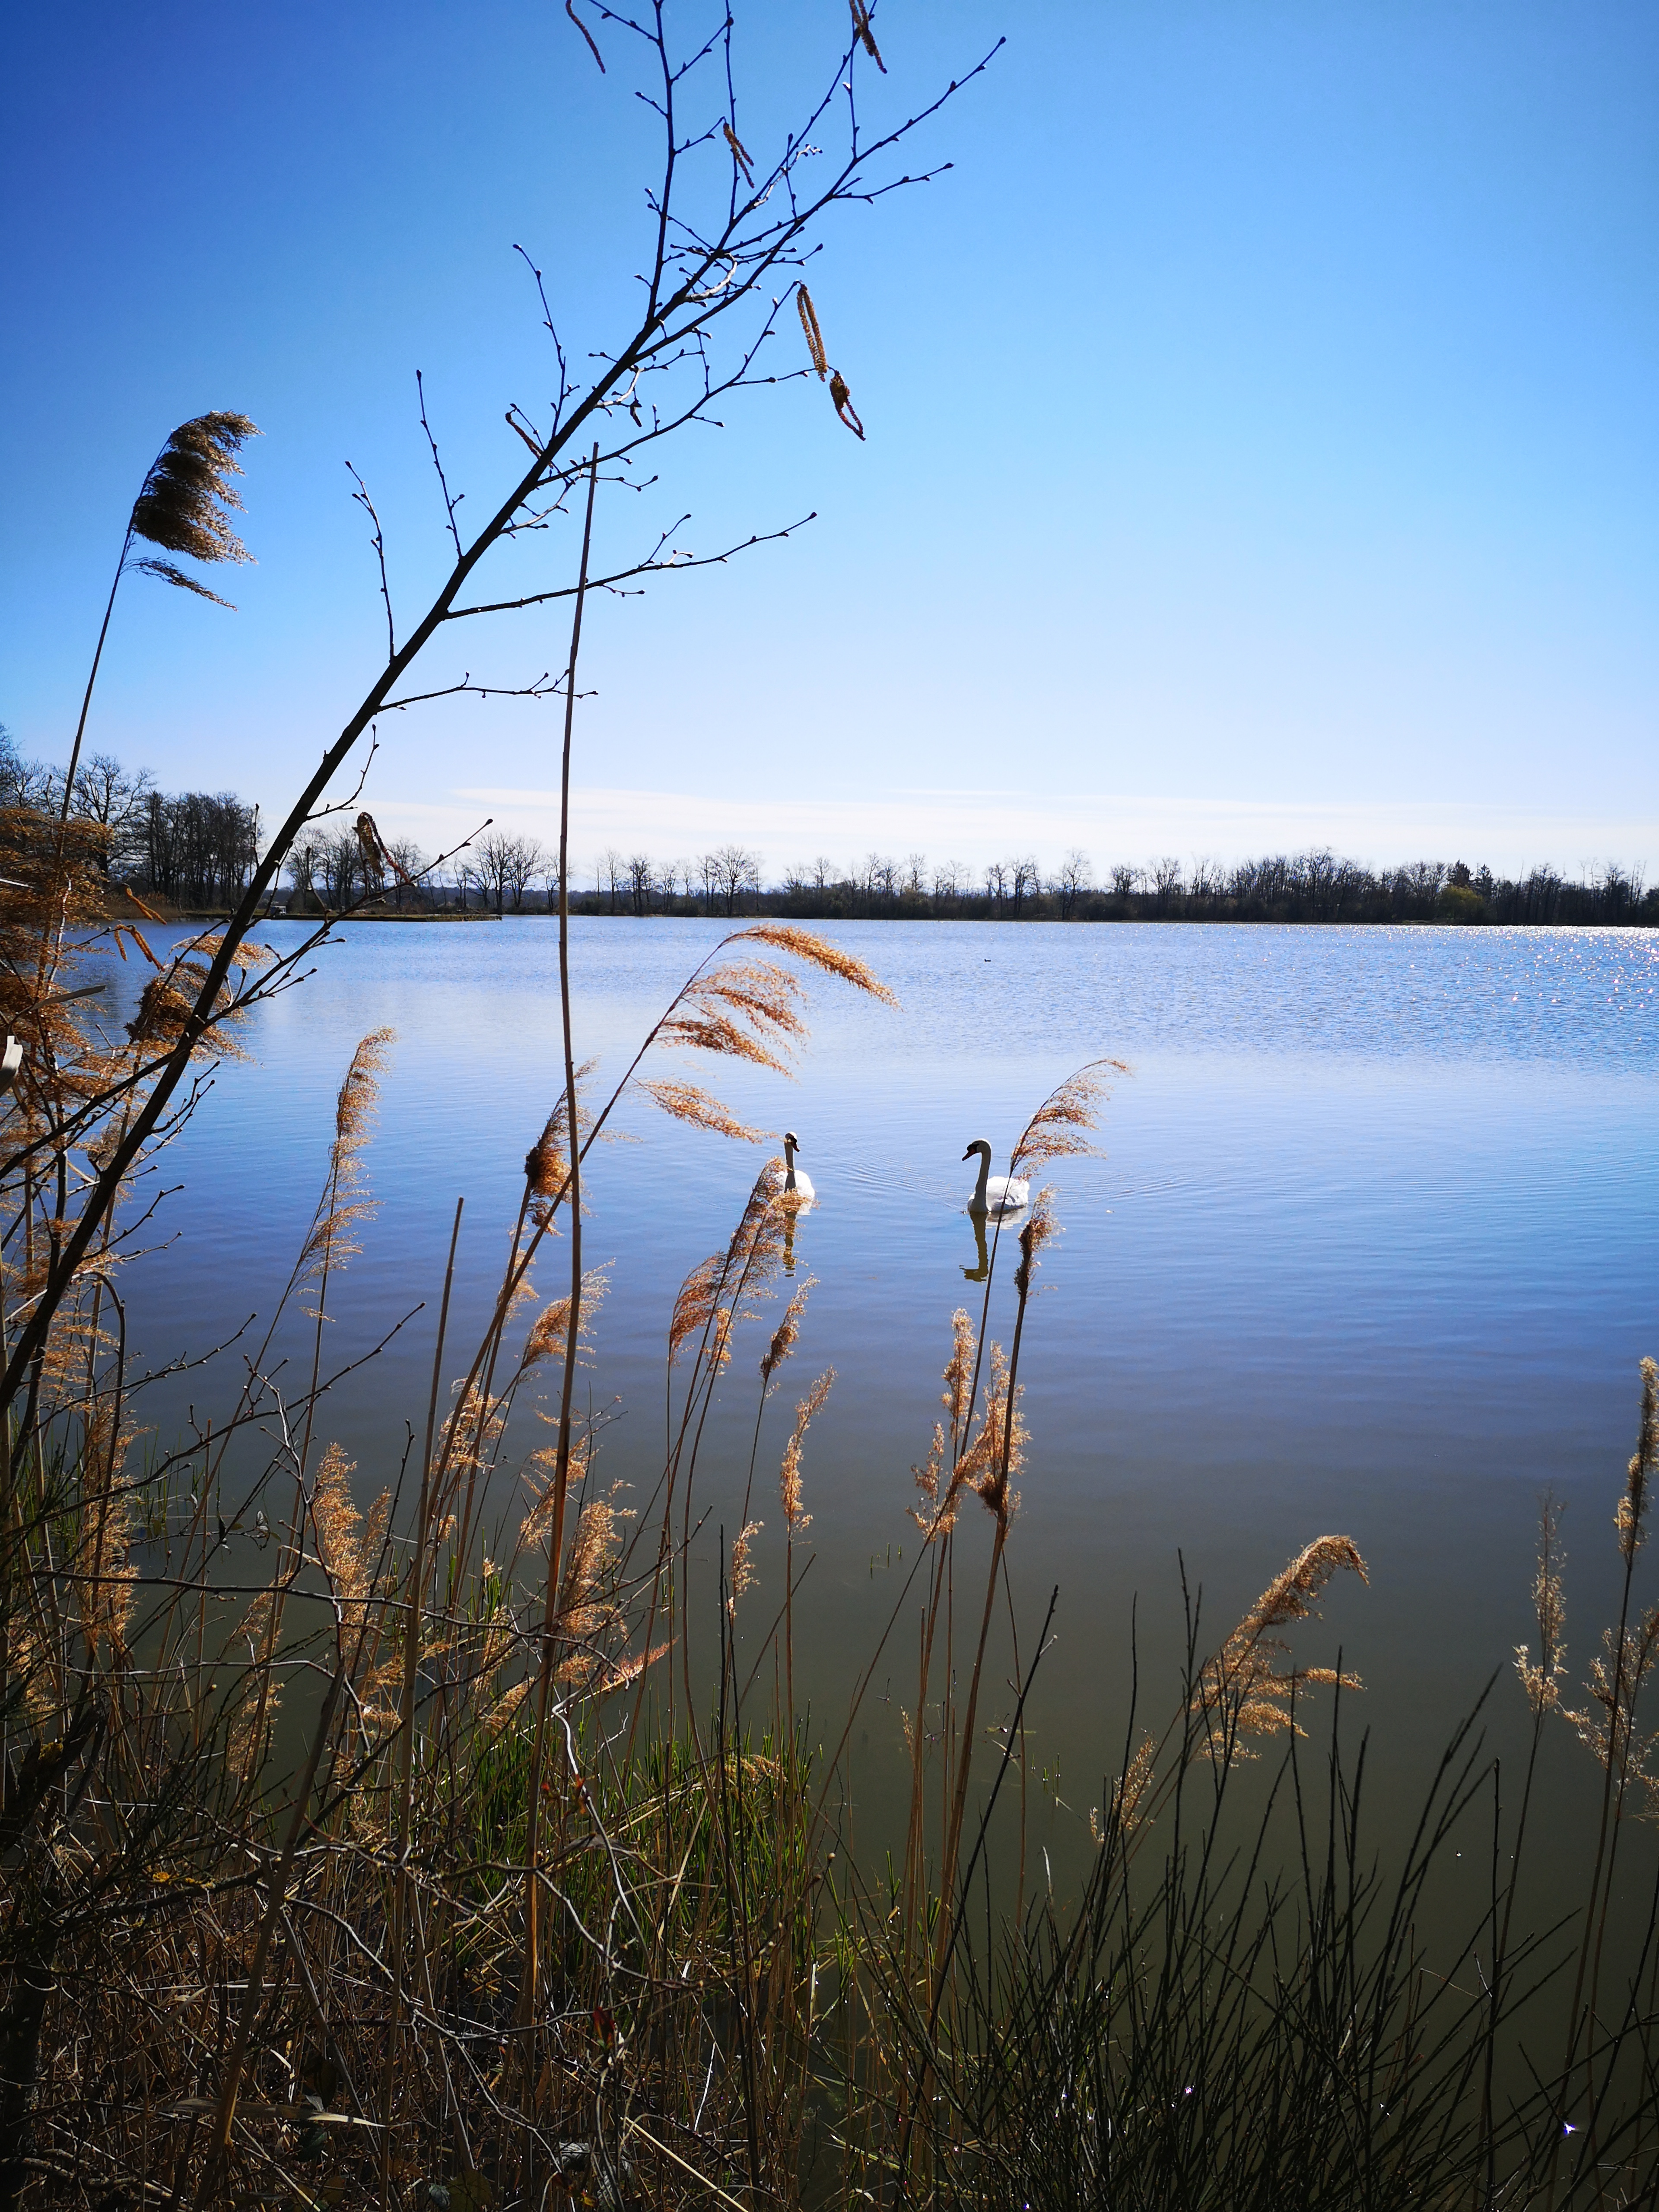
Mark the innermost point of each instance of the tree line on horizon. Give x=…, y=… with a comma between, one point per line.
x=1314, y=887
x=197, y=849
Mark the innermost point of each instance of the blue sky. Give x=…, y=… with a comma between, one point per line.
x=1262, y=442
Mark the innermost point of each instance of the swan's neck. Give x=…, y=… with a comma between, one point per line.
x=984, y=1177
x=789, y=1167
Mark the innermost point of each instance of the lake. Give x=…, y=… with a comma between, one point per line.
x=1372, y=1250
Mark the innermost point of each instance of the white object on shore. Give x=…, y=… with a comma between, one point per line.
x=800, y=1184
x=996, y=1194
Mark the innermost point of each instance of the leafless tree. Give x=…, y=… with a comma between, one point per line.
x=506, y=863
x=1076, y=874
x=25, y=782
x=951, y=879
x=108, y=793
x=340, y=866
x=304, y=861
x=737, y=874
x=641, y=880
x=1166, y=881
x=197, y=847
x=527, y=860
x=1209, y=879
x=412, y=864
x=1125, y=879
x=1073, y=876
x=612, y=875
x=822, y=873
x=996, y=884
x=1025, y=881
x=494, y=856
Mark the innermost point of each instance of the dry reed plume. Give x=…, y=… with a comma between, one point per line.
x=187, y=498
x=1244, y=1690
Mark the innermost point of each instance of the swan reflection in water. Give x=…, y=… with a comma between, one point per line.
x=982, y=1266
x=791, y=1209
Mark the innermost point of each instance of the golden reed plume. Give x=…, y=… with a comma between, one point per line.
x=742, y=1565
x=748, y=1009
x=789, y=1482
x=547, y=1163
x=1243, y=1687
x=1542, y=1682
x=684, y=1102
x=342, y=1208
x=1631, y=1518
x=1062, y=1129
x=744, y=1269
x=550, y=1331
x=1129, y=1791
x=184, y=504
x=784, y=1335
x=958, y=1400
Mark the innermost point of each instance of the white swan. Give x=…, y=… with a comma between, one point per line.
x=800, y=1184
x=996, y=1194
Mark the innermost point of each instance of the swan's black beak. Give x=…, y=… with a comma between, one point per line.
x=969, y=1154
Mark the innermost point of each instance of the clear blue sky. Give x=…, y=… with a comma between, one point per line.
x=1263, y=423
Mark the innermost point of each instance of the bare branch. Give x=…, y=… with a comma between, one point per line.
x=651, y=566
x=450, y=505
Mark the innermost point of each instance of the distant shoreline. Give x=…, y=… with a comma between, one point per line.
x=1569, y=905
x=590, y=909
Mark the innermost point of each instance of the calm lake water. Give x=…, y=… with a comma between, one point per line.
x=1373, y=1250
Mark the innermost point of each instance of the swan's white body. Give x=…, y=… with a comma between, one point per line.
x=997, y=1195
x=800, y=1184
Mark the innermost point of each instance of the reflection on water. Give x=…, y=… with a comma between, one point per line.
x=982, y=1267
x=789, y=1240
x=1372, y=1250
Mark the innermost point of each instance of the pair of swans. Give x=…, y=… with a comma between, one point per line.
x=993, y=1195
